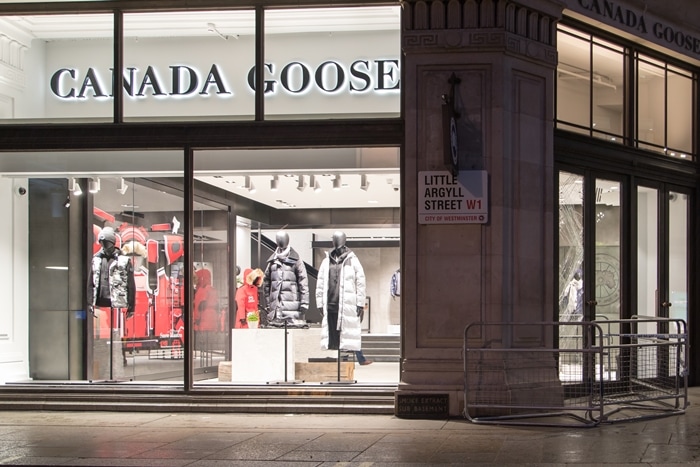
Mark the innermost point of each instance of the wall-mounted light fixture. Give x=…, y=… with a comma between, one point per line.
x=302, y=183
x=337, y=183
x=94, y=185
x=122, y=187
x=274, y=183
x=364, y=183
x=75, y=187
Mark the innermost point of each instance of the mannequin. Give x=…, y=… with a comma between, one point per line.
x=205, y=312
x=112, y=276
x=573, y=299
x=247, y=297
x=286, y=286
x=340, y=296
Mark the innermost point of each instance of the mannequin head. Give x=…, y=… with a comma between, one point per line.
x=339, y=239
x=107, y=238
x=282, y=239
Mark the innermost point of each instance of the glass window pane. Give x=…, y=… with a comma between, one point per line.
x=573, y=80
x=58, y=68
x=608, y=92
x=210, y=304
x=132, y=331
x=678, y=255
x=651, y=103
x=607, y=249
x=331, y=62
x=647, y=250
x=271, y=188
x=570, y=247
x=571, y=292
x=680, y=116
x=189, y=65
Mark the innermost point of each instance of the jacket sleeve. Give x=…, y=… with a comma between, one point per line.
x=302, y=284
x=360, y=282
x=320, y=284
x=131, y=285
x=266, y=284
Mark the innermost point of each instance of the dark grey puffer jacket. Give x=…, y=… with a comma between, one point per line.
x=286, y=287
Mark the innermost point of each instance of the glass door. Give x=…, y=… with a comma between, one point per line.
x=662, y=252
x=590, y=251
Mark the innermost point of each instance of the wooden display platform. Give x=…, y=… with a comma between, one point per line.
x=324, y=371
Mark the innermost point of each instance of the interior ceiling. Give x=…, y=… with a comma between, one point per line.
x=225, y=24
x=229, y=170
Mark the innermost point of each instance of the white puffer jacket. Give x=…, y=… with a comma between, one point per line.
x=351, y=295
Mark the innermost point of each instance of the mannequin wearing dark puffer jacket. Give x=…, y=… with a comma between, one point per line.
x=286, y=286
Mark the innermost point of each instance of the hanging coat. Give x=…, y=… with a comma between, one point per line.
x=286, y=287
x=351, y=295
x=247, y=296
x=206, y=303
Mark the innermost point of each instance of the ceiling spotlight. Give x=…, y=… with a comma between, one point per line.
x=274, y=183
x=302, y=183
x=94, y=185
x=246, y=183
x=122, y=187
x=67, y=203
x=313, y=183
x=251, y=188
x=75, y=187
x=336, y=183
x=364, y=184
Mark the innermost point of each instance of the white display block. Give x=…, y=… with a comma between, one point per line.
x=257, y=356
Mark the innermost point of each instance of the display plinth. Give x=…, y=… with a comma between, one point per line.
x=257, y=356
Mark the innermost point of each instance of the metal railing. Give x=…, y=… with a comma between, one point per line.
x=609, y=371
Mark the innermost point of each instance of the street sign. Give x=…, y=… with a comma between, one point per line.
x=447, y=199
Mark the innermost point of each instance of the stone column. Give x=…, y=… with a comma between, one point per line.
x=504, y=54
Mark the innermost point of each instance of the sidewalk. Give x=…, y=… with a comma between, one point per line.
x=217, y=440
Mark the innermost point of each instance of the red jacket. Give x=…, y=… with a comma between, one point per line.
x=247, y=296
x=206, y=303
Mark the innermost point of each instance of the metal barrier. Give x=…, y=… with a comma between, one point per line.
x=605, y=371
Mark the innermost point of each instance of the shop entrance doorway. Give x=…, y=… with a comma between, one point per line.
x=623, y=254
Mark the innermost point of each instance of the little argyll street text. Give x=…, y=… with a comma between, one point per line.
x=443, y=192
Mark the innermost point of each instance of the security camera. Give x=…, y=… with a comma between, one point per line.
x=22, y=191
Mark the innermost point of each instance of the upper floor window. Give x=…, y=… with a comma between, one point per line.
x=590, y=85
x=648, y=104
x=192, y=65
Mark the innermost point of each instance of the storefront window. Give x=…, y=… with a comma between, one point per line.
x=189, y=65
x=57, y=68
x=284, y=203
x=332, y=62
x=97, y=258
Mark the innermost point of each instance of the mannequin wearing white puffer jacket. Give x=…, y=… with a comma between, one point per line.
x=340, y=296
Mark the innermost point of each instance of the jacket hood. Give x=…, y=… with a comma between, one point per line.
x=203, y=277
x=251, y=275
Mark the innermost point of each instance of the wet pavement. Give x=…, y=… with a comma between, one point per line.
x=219, y=439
